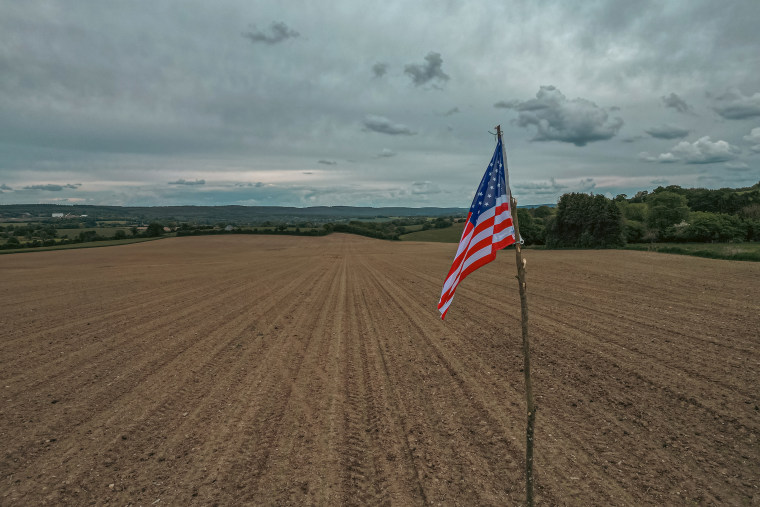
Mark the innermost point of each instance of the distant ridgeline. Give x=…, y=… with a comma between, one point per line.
x=236, y=214
x=665, y=215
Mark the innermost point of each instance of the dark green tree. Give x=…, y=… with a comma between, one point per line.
x=586, y=221
x=543, y=212
x=154, y=230
x=665, y=209
x=531, y=230
x=709, y=227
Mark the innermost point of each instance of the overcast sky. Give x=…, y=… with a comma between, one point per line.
x=386, y=103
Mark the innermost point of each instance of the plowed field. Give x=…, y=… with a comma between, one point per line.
x=284, y=370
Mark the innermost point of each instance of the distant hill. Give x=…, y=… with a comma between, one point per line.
x=238, y=214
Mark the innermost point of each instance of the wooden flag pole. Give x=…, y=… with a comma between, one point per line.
x=521, y=262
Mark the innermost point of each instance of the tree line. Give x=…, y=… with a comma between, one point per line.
x=667, y=214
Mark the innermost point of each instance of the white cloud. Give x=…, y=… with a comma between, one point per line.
x=701, y=151
x=663, y=158
x=754, y=139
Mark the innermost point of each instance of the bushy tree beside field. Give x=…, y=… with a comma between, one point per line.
x=154, y=230
x=532, y=229
x=664, y=210
x=586, y=221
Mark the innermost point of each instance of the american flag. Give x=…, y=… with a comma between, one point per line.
x=488, y=228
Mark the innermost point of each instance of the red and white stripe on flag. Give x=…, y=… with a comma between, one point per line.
x=488, y=228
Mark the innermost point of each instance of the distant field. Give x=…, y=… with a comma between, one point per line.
x=729, y=251
x=106, y=232
x=448, y=235
x=88, y=244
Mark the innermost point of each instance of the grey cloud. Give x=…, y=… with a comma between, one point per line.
x=386, y=153
x=578, y=121
x=701, y=151
x=585, y=185
x=507, y=104
x=426, y=72
x=662, y=158
x=737, y=166
x=380, y=69
x=307, y=172
x=327, y=162
x=52, y=187
x=278, y=32
x=425, y=187
x=182, y=181
x=734, y=105
x=676, y=102
x=542, y=187
x=667, y=132
x=383, y=125
x=5, y=187
x=753, y=137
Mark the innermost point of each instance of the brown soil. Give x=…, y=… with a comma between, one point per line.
x=279, y=370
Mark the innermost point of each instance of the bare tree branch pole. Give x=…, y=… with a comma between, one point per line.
x=531, y=408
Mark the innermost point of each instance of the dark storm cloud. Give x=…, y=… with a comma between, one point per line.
x=278, y=32
x=182, y=181
x=51, y=187
x=578, y=121
x=667, y=132
x=379, y=69
x=425, y=72
x=734, y=105
x=5, y=187
x=453, y=110
x=327, y=162
x=676, y=102
x=385, y=126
